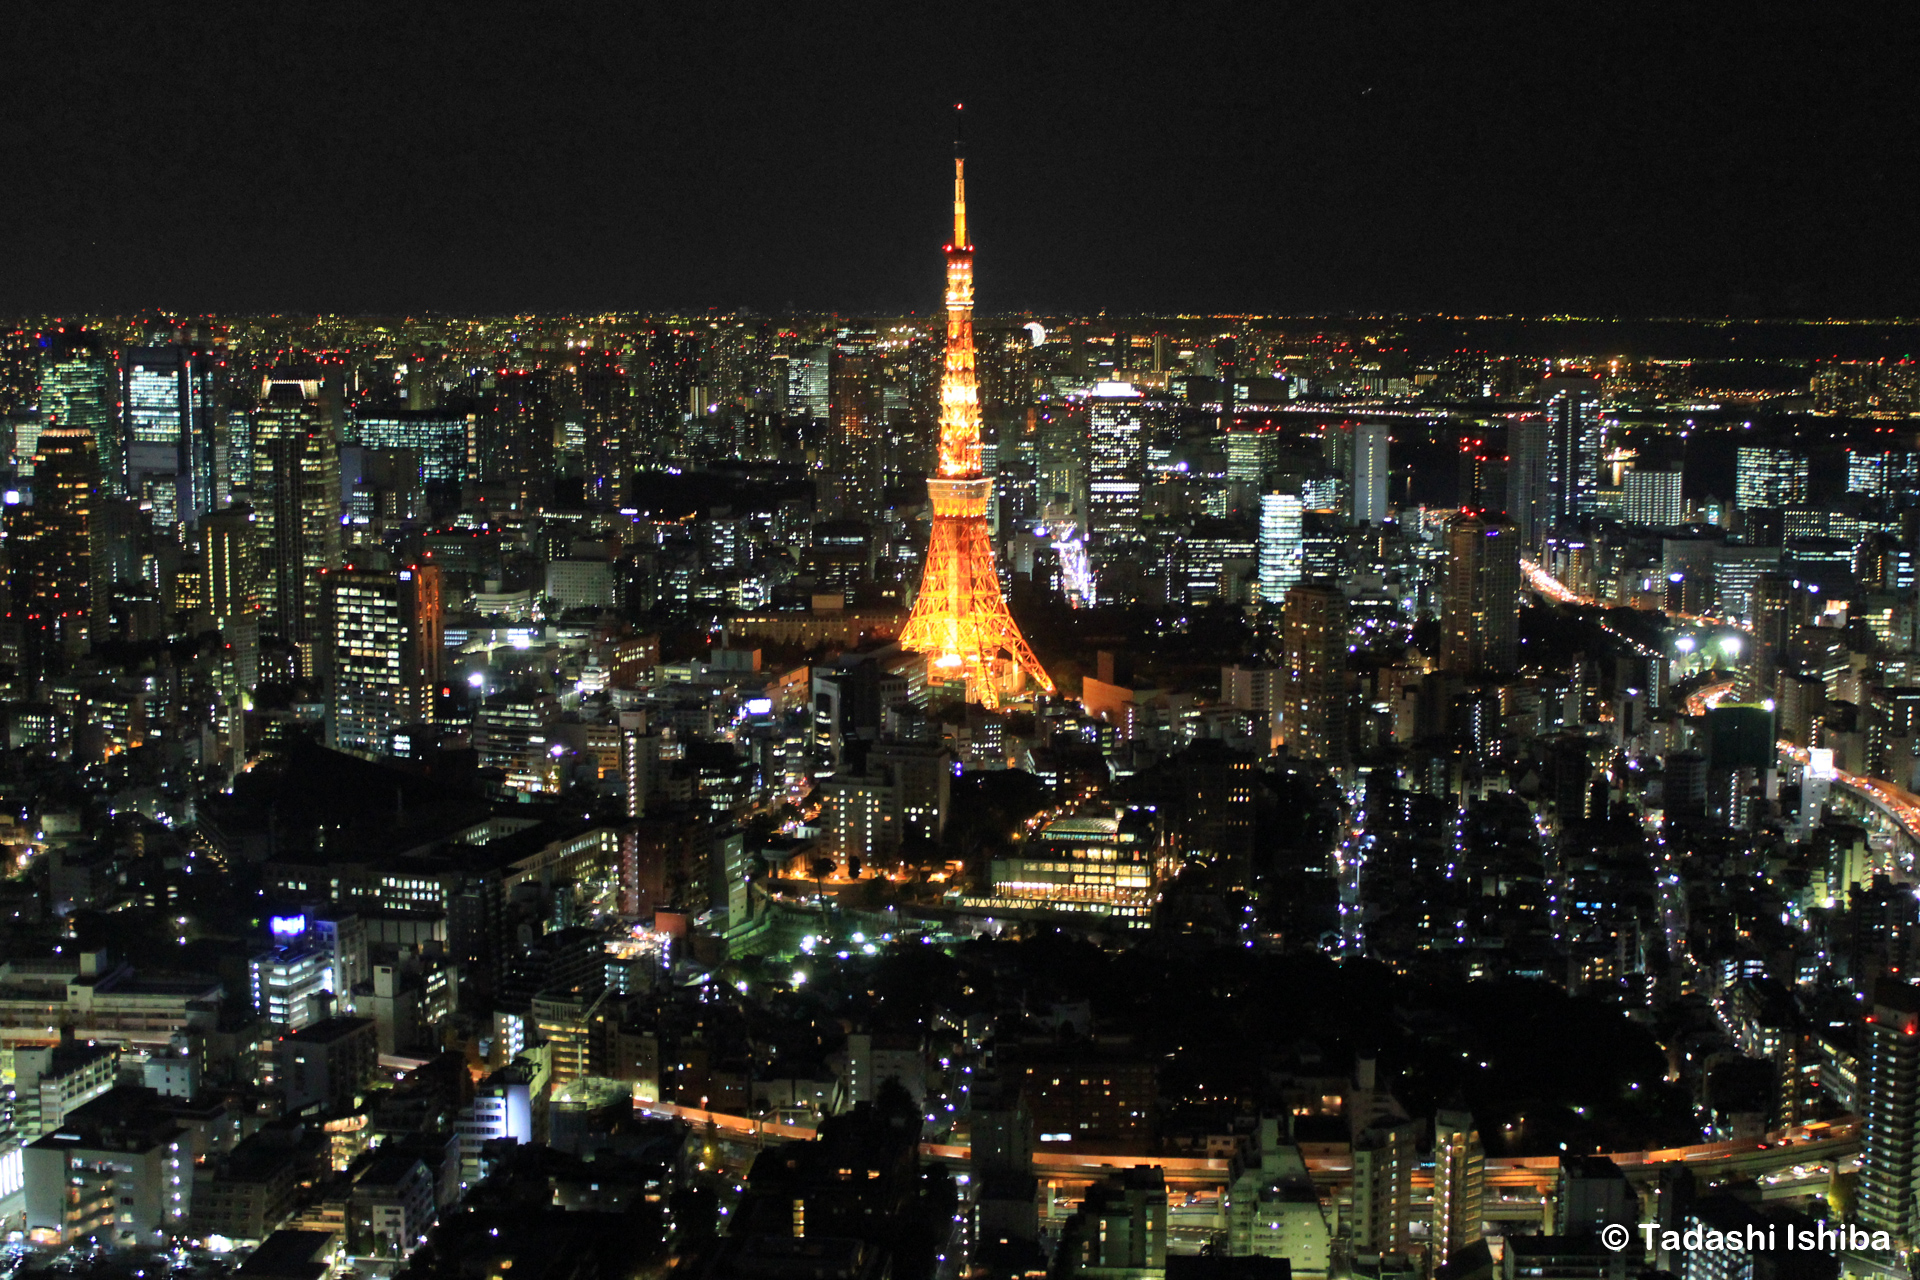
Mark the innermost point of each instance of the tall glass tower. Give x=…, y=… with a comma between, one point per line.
x=77, y=394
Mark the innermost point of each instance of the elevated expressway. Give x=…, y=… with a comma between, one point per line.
x=1793, y=1162
x=1892, y=811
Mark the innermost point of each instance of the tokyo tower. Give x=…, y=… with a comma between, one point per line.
x=960, y=619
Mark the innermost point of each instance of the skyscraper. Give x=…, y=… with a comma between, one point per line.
x=1370, y=441
x=960, y=619
x=602, y=395
x=1480, y=614
x=77, y=393
x=1652, y=499
x=172, y=457
x=56, y=550
x=1893, y=474
x=1769, y=477
x=855, y=480
x=1250, y=455
x=514, y=433
x=669, y=366
x=296, y=484
x=230, y=565
x=1529, y=500
x=1576, y=442
x=1890, y=1106
x=1315, y=633
x=437, y=438
x=1117, y=451
x=809, y=381
x=1282, y=531
x=385, y=629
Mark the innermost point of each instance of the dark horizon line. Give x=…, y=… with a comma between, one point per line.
x=30, y=319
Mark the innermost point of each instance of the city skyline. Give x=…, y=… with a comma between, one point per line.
x=1289, y=747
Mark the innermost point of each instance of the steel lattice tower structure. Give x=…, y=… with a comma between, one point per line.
x=960, y=619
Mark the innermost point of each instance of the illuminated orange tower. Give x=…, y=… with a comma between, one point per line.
x=960, y=619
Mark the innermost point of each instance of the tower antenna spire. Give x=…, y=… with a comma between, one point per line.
x=959, y=180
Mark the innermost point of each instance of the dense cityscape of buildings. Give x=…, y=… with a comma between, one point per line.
x=995, y=796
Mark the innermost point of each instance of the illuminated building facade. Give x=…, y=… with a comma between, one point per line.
x=386, y=634
x=1250, y=455
x=1480, y=613
x=1315, y=633
x=1459, y=1183
x=439, y=440
x=1209, y=556
x=172, y=457
x=296, y=487
x=55, y=554
x=1282, y=545
x=77, y=394
x=1117, y=465
x=288, y=980
x=1370, y=470
x=1889, y=1099
x=230, y=586
x=1770, y=477
x=855, y=483
x=1576, y=442
x=960, y=619
x=1089, y=865
x=1652, y=499
x=1528, y=494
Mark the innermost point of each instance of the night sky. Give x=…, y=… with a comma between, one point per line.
x=1339, y=157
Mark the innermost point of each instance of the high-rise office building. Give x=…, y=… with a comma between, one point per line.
x=1370, y=471
x=1529, y=503
x=438, y=439
x=56, y=552
x=1652, y=499
x=1251, y=455
x=1315, y=637
x=1892, y=474
x=668, y=369
x=173, y=458
x=1480, y=608
x=1226, y=367
x=1459, y=1184
x=854, y=483
x=515, y=430
x=602, y=397
x=230, y=587
x=296, y=489
x=77, y=393
x=1282, y=546
x=1576, y=443
x=1117, y=466
x=1769, y=477
x=809, y=382
x=386, y=633
x=1889, y=1105
x=1212, y=560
